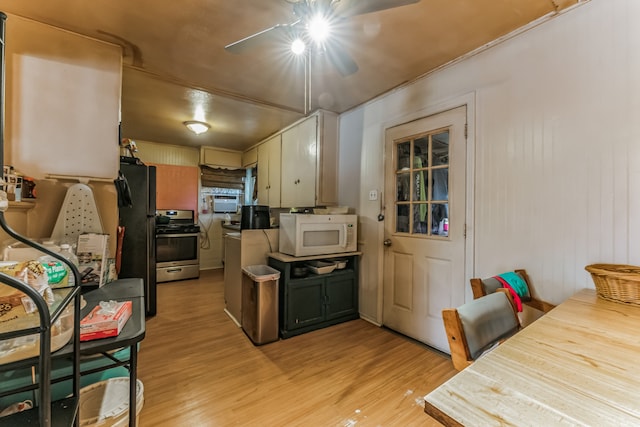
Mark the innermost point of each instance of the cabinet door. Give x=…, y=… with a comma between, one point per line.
x=250, y=157
x=233, y=278
x=268, y=179
x=305, y=303
x=299, y=159
x=262, y=179
x=327, y=175
x=274, y=171
x=176, y=186
x=220, y=158
x=341, y=296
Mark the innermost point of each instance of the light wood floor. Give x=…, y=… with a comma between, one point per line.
x=199, y=369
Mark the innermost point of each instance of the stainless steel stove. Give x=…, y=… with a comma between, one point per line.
x=177, y=246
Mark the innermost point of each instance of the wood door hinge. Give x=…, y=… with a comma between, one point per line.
x=464, y=231
x=466, y=131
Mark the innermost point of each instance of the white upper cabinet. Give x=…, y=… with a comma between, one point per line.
x=327, y=160
x=309, y=162
x=220, y=158
x=268, y=179
x=299, y=158
x=298, y=167
x=250, y=157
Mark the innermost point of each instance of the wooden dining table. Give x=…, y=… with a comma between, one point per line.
x=578, y=365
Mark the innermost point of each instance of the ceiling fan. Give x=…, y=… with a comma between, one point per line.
x=307, y=13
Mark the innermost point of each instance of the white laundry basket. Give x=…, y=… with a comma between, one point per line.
x=106, y=403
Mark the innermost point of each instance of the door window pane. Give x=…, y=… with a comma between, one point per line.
x=404, y=156
x=402, y=219
x=440, y=148
x=404, y=187
x=420, y=186
x=420, y=218
x=440, y=219
x=421, y=153
x=440, y=184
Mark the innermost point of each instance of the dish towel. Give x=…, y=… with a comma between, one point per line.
x=516, y=285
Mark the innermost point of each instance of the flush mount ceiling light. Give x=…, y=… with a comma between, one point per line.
x=197, y=127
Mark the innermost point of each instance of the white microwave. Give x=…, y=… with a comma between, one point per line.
x=307, y=234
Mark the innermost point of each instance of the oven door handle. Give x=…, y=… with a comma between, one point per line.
x=179, y=235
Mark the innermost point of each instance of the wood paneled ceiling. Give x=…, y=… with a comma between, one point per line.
x=175, y=61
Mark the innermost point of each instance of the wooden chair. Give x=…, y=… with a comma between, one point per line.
x=479, y=325
x=482, y=287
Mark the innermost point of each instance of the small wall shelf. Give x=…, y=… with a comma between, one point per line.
x=81, y=179
x=24, y=205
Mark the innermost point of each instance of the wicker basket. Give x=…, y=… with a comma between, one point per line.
x=616, y=282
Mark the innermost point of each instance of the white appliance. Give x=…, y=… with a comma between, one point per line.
x=307, y=234
x=225, y=203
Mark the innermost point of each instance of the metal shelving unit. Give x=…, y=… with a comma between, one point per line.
x=46, y=413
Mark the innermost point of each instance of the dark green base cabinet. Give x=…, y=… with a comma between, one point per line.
x=317, y=300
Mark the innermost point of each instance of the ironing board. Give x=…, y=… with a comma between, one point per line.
x=78, y=215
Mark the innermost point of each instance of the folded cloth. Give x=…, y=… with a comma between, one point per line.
x=516, y=282
x=516, y=285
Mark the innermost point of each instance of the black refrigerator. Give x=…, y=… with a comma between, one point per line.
x=139, y=242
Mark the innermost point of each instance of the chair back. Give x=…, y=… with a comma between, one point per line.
x=477, y=326
x=482, y=287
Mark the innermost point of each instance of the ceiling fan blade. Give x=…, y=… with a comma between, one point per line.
x=275, y=33
x=341, y=59
x=346, y=8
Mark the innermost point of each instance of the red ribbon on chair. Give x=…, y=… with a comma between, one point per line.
x=514, y=294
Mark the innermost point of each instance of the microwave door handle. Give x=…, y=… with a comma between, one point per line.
x=343, y=244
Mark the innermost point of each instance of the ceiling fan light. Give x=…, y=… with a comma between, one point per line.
x=197, y=127
x=298, y=46
x=319, y=28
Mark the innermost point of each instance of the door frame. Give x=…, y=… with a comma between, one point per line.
x=468, y=100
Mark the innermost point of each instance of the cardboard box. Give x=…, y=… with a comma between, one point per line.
x=93, y=253
x=98, y=324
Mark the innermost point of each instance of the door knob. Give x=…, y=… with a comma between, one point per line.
x=387, y=242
